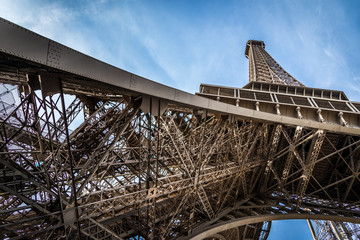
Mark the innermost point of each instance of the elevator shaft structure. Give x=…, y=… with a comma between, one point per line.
x=90, y=151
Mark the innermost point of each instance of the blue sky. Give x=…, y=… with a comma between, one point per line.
x=185, y=43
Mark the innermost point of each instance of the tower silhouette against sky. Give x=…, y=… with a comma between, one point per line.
x=90, y=151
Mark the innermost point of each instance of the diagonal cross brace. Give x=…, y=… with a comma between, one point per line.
x=310, y=162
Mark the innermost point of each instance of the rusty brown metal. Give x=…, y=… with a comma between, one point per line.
x=92, y=159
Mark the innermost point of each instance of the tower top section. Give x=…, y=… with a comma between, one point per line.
x=253, y=42
x=263, y=68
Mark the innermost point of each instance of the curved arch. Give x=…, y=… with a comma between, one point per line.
x=211, y=230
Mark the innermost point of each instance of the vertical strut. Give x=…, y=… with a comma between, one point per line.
x=74, y=193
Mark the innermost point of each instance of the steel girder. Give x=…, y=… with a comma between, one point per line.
x=123, y=173
x=145, y=164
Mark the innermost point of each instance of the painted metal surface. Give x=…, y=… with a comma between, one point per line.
x=148, y=161
x=20, y=42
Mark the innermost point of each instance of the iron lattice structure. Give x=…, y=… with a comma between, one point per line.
x=145, y=161
x=328, y=230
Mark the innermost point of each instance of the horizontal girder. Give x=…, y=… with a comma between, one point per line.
x=145, y=161
x=31, y=51
x=132, y=172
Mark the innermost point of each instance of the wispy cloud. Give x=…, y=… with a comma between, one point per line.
x=185, y=45
x=52, y=20
x=315, y=44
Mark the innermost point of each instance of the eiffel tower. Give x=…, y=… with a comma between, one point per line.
x=90, y=151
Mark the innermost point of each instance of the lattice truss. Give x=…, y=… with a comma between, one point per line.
x=263, y=68
x=122, y=173
x=328, y=230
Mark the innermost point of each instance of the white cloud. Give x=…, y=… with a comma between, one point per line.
x=174, y=50
x=51, y=20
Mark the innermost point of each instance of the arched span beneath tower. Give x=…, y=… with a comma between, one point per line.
x=234, y=223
